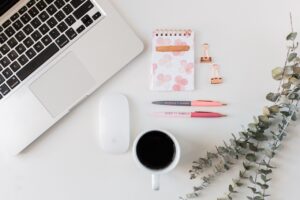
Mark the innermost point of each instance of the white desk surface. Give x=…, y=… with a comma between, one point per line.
x=247, y=38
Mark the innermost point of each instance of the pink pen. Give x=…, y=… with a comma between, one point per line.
x=197, y=114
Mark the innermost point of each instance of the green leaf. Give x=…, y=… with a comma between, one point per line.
x=265, y=171
x=258, y=198
x=252, y=147
x=272, y=96
x=296, y=70
x=292, y=56
x=274, y=109
x=264, y=178
x=211, y=155
x=294, y=117
x=230, y=188
x=251, y=157
x=277, y=73
x=252, y=189
x=264, y=119
x=246, y=166
x=286, y=85
x=251, y=179
x=252, y=127
x=292, y=36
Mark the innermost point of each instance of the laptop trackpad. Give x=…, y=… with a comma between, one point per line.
x=63, y=85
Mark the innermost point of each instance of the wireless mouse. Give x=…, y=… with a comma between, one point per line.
x=114, y=123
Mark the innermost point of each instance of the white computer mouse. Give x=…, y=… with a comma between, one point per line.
x=114, y=123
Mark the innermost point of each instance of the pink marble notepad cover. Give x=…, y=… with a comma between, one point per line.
x=172, y=71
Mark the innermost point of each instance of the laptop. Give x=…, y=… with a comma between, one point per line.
x=54, y=54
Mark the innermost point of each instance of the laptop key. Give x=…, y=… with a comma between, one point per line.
x=2, y=79
x=12, y=42
x=33, y=11
x=22, y=10
x=80, y=29
x=62, y=27
x=59, y=3
x=14, y=17
x=4, y=49
x=68, y=9
x=83, y=9
x=4, y=62
x=70, y=20
x=20, y=36
x=44, y=29
x=49, y=1
x=23, y=60
x=38, y=46
x=20, y=48
x=51, y=9
x=54, y=33
x=3, y=38
x=13, y=82
x=60, y=15
x=36, y=35
x=87, y=20
x=30, y=53
x=10, y=31
x=71, y=33
x=6, y=23
x=40, y=59
x=28, y=29
x=96, y=15
x=62, y=41
x=7, y=73
x=12, y=55
x=30, y=3
x=4, y=89
x=17, y=24
x=41, y=5
x=43, y=16
x=51, y=22
x=25, y=18
x=28, y=42
x=15, y=66
x=46, y=40
x=76, y=3
x=35, y=22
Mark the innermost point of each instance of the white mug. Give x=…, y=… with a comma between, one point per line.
x=164, y=138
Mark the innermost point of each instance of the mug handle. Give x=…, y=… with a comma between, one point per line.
x=155, y=181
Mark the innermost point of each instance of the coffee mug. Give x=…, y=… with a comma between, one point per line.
x=156, y=151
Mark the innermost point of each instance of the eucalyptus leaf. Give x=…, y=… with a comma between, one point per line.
x=292, y=56
x=277, y=73
x=272, y=96
x=274, y=109
x=292, y=36
x=251, y=157
x=294, y=81
x=296, y=69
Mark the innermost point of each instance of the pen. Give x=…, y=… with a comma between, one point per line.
x=197, y=114
x=190, y=103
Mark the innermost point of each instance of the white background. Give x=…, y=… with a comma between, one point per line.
x=247, y=39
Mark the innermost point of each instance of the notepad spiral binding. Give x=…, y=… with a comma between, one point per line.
x=172, y=32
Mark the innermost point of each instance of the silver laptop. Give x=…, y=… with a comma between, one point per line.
x=53, y=54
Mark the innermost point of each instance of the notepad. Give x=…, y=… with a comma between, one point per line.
x=172, y=66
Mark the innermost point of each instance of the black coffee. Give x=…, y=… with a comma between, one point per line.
x=155, y=150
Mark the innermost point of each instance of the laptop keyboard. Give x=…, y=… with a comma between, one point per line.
x=38, y=31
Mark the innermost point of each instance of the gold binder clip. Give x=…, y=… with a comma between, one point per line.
x=216, y=78
x=205, y=58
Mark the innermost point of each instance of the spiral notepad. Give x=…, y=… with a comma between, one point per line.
x=172, y=60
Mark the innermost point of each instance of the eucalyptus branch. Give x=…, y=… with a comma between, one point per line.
x=251, y=144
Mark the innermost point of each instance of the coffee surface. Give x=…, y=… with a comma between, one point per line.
x=155, y=150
